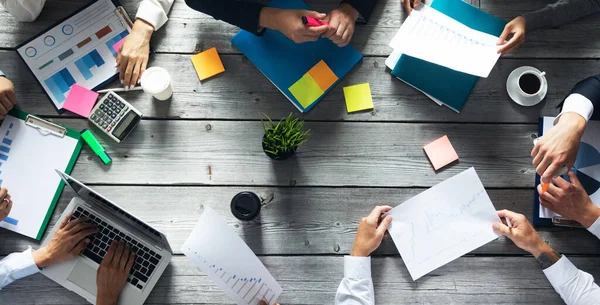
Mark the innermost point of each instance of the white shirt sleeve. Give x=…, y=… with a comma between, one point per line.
x=16, y=266
x=24, y=10
x=357, y=286
x=595, y=228
x=154, y=12
x=574, y=286
x=579, y=104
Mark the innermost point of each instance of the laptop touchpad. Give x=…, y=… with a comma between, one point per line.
x=84, y=276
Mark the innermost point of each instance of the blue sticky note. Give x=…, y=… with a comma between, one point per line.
x=284, y=62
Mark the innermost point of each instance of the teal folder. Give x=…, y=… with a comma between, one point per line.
x=447, y=85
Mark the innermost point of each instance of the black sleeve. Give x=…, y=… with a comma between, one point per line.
x=364, y=7
x=242, y=13
x=590, y=88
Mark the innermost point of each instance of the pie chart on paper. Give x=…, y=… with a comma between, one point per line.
x=587, y=168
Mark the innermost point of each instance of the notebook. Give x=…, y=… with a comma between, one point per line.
x=287, y=64
x=441, y=84
x=30, y=151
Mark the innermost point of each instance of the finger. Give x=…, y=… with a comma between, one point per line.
x=3, y=193
x=339, y=33
x=127, y=79
x=315, y=14
x=77, y=225
x=407, y=6
x=502, y=38
x=12, y=96
x=3, y=109
x=535, y=151
x=124, y=258
x=65, y=221
x=108, y=258
x=136, y=72
x=552, y=171
x=385, y=223
x=416, y=3
x=81, y=235
x=333, y=26
x=509, y=46
x=510, y=214
x=317, y=30
x=80, y=246
x=143, y=68
x=541, y=169
x=377, y=211
x=346, y=37
x=561, y=183
x=74, y=222
x=122, y=68
x=118, y=253
x=502, y=229
x=555, y=191
x=6, y=102
x=547, y=198
x=9, y=208
x=573, y=177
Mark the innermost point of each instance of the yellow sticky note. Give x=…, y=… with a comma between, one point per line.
x=323, y=75
x=306, y=90
x=208, y=64
x=440, y=152
x=358, y=97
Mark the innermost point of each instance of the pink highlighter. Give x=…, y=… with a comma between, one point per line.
x=312, y=22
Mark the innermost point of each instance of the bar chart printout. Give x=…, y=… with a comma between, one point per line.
x=217, y=250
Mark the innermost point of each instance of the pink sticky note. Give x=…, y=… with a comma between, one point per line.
x=80, y=100
x=117, y=45
x=440, y=152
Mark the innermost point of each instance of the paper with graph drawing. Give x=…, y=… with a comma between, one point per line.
x=443, y=223
x=216, y=249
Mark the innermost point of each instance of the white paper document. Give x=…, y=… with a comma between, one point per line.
x=28, y=160
x=434, y=37
x=218, y=251
x=443, y=223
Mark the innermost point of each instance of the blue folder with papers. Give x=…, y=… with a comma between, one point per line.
x=447, y=85
x=286, y=63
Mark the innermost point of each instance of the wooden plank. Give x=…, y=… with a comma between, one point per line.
x=314, y=280
x=253, y=94
x=310, y=220
x=338, y=154
x=568, y=41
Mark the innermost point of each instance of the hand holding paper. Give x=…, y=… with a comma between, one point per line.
x=521, y=232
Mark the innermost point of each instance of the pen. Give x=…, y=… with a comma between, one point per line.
x=312, y=22
x=93, y=143
x=120, y=89
x=563, y=171
x=508, y=221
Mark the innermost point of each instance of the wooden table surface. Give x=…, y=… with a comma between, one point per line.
x=203, y=147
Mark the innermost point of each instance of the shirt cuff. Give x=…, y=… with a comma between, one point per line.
x=2, y=73
x=356, y=267
x=579, y=104
x=25, y=264
x=153, y=13
x=595, y=228
x=561, y=272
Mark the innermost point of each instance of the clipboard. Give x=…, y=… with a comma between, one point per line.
x=73, y=51
x=31, y=149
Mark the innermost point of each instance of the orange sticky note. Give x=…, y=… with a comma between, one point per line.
x=208, y=64
x=80, y=100
x=440, y=152
x=323, y=75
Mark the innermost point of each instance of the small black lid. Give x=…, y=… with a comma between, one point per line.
x=245, y=206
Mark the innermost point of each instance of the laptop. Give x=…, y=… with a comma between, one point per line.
x=152, y=250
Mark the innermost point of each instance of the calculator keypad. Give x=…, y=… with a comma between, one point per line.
x=110, y=111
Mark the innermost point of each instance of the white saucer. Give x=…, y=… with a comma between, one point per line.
x=512, y=87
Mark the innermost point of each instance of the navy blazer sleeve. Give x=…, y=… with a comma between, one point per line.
x=242, y=13
x=590, y=88
x=364, y=7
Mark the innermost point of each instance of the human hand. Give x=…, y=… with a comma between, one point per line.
x=5, y=203
x=521, y=233
x=134, y=52
x=263, y=302
x=289, y=23
x=517, y=27
x=8, y=98
x=113, y=272
x=341, y=24
x=558, y=147
x=68, y=241
x=570, y=200
x=371, y=231
x=408, y=5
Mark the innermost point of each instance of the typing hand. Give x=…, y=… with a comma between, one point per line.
x=134, y=53
x=521, y=233
x=113, y=272
x=5, y=203
x=517, y=27
x=289, y=23
x=342, y=21
x=68, y=241
x=558, y=147
x=7, y=96
x=410, y=4
x=371, y=231
x=570, y=200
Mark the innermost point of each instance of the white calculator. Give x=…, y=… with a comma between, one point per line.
x=115, y=116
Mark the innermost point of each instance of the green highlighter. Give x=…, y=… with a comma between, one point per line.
x=93, y=143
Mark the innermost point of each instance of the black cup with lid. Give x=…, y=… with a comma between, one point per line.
x=245, y=206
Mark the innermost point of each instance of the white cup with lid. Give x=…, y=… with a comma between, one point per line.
x=157, y=81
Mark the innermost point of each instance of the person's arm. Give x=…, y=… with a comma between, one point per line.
x=154, y=12
x=357, y=285
x=561, y=12
x=24, y=10
x=244, y=14
x=364, y=7
x=17, y=266
x=112, y=274
x=583, y=99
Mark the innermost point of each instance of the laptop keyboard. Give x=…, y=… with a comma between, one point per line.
x=146, y=260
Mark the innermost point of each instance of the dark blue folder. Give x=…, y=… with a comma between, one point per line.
x=447, y=85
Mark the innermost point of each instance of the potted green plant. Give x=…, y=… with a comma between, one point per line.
x=282, y=139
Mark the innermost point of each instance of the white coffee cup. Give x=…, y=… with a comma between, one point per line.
x=527, y=86
x=533, y=79
x=157, y=81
